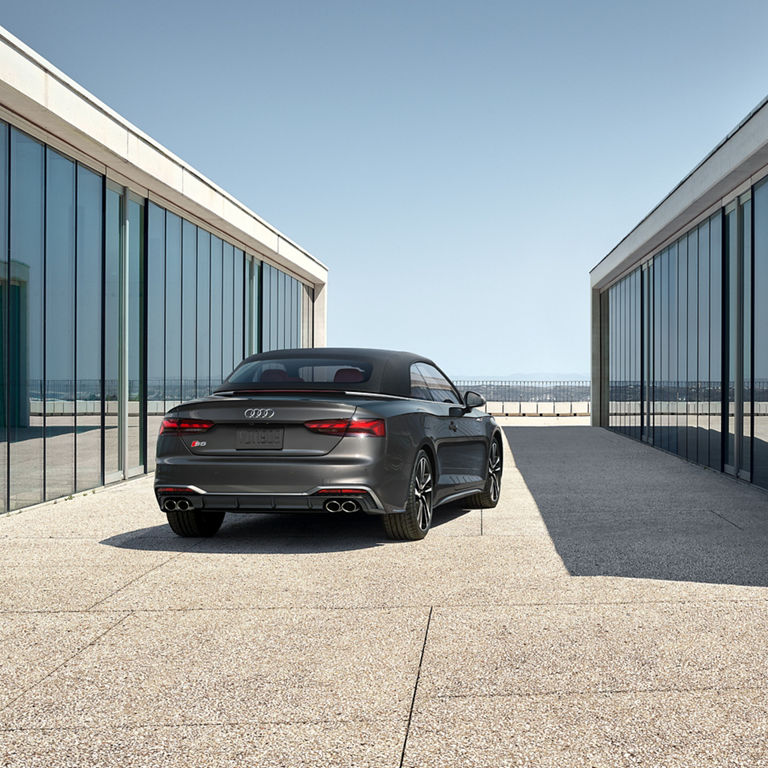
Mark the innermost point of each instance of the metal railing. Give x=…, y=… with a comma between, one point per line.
x=532, y=398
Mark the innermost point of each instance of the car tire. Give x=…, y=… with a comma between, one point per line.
x=415, y=522
x=195, y=522
x=488, y=498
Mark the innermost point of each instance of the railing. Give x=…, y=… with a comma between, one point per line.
x=66, y=397
x=532, y=398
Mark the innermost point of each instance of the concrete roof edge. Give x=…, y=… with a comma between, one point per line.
x=23, y=49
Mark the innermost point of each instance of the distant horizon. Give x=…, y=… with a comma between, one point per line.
x=523, y=377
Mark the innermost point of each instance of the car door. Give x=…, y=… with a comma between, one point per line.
x=462, y=442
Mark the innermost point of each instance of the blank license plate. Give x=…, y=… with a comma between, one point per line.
x=259, y=439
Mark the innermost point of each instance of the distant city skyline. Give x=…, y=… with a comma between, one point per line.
x=459, y=167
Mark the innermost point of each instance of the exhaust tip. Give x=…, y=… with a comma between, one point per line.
x=350, y=506
x=169, y=505
x=183, y=505
x=332, y=506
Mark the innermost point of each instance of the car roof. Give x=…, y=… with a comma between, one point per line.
x=390, y=374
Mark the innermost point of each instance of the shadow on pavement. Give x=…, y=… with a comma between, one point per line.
x=616, y=507
x=273, y=534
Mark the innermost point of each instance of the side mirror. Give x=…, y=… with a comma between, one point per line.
x=473, y=400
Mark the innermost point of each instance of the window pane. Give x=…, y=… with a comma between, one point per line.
x=645, y=363
x=203, y=312
x=682, y=340
x=59, y=326
x=216, y=333
x=281, y=311
x=276, y=309
x=136, y=403
x=4, y=298
x=111, y=330
x=624, y=356
x=731, y=331
x=227, y=322
x=155, y=326
x=693, y=345
x=703, y=332
x=673, y=350
x=254, y=307
x=657, y=388
x=188, y=311
x=26, y=322
x=266, y=309
x=439, y=387
x=745, y=456
x=760, y=445
x=88, y=320
x=419, y=387
x=173, y=310
x=239, y=310
x=611, y=355
x=715, y=340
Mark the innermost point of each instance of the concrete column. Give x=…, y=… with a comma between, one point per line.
x=320, y=315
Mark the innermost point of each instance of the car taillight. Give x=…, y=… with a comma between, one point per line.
x=373, y=427
x=341, y=427
x=184, y=425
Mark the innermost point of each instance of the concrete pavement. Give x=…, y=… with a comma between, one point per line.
x=610, y=612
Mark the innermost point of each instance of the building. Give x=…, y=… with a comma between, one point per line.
x=128, y=283
x=680, y=315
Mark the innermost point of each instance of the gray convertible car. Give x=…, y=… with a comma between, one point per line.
x=334, y=430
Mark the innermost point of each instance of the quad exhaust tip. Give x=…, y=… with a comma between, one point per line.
x=347, y=506
x=172, y=505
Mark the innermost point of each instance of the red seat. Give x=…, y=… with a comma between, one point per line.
x=348, y=376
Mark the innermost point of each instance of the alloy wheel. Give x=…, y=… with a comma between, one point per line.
x=422, y=489
x=494, y=471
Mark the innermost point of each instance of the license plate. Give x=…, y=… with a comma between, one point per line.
x=259, y=439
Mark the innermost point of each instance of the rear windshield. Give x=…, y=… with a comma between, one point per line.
x=285, y=372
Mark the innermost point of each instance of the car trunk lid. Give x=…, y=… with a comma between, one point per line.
x=260, y=426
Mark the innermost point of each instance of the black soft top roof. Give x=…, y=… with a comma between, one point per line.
x=390, y=370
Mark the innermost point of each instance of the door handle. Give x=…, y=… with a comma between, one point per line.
x=452, y=426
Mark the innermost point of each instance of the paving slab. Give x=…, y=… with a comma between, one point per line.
x=184, y=668
x=69, y=574
x=667, y=729
x=326, y=744
x=557, y=649
x=33, y=645
x=300, y=573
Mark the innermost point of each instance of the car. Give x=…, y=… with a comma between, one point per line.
x=335, y=430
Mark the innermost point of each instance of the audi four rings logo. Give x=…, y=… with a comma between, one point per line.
x=259, y=413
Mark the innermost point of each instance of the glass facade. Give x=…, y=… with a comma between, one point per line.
x=113, y=309
x=688, y=343
x=286, y=318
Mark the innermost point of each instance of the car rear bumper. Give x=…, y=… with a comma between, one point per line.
x=366, y=500
x=280, y=485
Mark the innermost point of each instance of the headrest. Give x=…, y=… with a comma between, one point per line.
x=348, y=376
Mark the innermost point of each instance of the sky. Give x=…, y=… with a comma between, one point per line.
x=458, y=166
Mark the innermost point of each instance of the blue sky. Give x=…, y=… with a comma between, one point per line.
x=459, y=166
